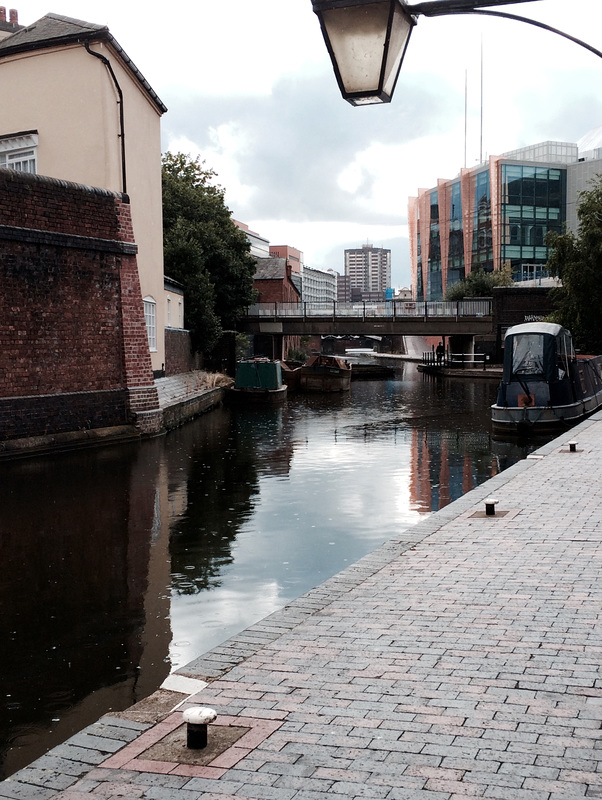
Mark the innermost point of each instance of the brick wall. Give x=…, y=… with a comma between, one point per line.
x=276, y=291
x=73, y=345
x=179, y=357
x=513, y=305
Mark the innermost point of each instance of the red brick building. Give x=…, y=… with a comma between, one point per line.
x=276, y=282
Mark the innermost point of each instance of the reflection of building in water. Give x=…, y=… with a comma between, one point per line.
x=274, y=450
x=440, y=469
x=84, y=626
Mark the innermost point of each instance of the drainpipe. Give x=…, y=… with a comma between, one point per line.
x=107, y=64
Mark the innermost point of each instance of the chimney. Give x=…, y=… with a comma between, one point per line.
x=13, y=16
x=2, y=14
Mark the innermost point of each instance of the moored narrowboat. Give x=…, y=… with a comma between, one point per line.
x=545, y=385
x=291, y=374
x=258, y=380
x=325, y=374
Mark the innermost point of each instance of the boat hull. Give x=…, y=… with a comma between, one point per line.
x=258, y=396
x=291, y=375
x=371, y=372
x=316, y=382
x=542, y=419
x=325, y=374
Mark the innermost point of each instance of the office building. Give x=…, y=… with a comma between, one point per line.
x=498, y=214
x=293, y=257
x=319, y=286
x=368, y=269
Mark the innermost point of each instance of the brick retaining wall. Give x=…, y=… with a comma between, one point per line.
x=73, y=345
x=179, y=357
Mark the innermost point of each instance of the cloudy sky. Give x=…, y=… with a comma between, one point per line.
x=250, y=88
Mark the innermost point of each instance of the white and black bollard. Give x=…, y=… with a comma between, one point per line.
x=197, y=718
x=572, y=447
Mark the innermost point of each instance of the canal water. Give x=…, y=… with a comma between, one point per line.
x=121, y=564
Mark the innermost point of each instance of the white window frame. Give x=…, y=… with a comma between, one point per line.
x=19, y=152
x=150, y=317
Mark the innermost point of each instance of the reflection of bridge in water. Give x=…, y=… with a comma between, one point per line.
x=389, y=318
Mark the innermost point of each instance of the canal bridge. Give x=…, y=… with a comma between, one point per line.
x=389, y=318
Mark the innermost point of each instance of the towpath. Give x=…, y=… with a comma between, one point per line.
x=461, y=660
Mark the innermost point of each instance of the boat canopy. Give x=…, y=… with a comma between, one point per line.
x=537, y=350
x=258, y=373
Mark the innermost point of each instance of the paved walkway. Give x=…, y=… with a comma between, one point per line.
x=461, y=660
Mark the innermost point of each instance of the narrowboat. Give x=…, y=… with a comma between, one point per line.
x=545, y=386
x=325, y=374
x=258, y=380
x=371, y=372
x=291, y=374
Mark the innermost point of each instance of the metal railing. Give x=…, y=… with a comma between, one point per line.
x=392, y=309
x=456, y=360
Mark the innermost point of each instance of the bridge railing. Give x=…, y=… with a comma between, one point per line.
x=480, y=307
x=432, y=358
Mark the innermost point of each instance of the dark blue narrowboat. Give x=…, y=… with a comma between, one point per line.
x=545, y=385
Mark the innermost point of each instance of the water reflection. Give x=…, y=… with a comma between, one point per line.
x=80, y=630
x=123, y=563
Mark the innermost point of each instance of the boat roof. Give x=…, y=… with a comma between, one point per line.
x=322, y=358
x=550, y=328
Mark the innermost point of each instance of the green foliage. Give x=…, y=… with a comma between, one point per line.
x=577, y=261
x=204, y=250
x=479, y=284
x=295, y=354
x=244, y=344
x=300, y=353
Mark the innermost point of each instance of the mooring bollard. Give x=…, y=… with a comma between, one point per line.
x=197, y=718
x=490, y=505
x=573, y=447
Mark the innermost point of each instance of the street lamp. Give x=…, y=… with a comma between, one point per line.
x=367, y=39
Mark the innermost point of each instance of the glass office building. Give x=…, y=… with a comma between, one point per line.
x=497, y=215
x=533, y=203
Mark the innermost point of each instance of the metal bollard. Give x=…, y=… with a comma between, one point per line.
x=197, y=718
x=573, y=447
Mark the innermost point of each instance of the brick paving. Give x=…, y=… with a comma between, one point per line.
x=460, y=660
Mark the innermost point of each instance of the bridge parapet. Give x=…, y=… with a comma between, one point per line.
x=390, y=309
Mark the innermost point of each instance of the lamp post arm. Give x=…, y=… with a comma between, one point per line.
x=432, y=8
x=545, y=27
x=437, y=9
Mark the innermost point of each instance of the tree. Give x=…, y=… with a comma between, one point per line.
x=204, y=250
x=577, y=261
x=479, y=284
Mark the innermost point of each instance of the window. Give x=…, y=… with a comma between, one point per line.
x=150, y=317
x=18, y=151
x=527, y=354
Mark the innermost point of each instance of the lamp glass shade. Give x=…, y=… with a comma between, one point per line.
x=366, y=42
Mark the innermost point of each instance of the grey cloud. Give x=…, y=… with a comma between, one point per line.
x=304, y=134
x=564, y=111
